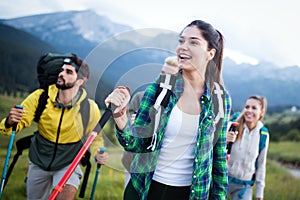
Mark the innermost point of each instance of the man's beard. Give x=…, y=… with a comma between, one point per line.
x=65, y=86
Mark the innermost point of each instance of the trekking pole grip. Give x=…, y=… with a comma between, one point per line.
x=14, y=125
x=232, y=128
x=102, y=150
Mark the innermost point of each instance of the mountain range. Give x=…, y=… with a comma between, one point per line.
x=118, y=54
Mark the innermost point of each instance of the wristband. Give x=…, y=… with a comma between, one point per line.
x=120, y=113
x=7, y=125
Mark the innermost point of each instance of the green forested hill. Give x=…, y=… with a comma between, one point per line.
x=19, y=52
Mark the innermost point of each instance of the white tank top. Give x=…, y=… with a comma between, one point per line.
x=175, y=162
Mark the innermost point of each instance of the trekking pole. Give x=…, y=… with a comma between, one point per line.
x=21, y=144
x=102, y=150
x=229, y=145
x=80, y=154
x=107, y=114
x=10, y=145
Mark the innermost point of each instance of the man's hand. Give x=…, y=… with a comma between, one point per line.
x=14, y=116
x=101, y=158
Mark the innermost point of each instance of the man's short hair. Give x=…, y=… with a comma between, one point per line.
x=81, y=67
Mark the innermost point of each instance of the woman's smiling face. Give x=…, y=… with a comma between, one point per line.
x=192, y=50
x=252, y=111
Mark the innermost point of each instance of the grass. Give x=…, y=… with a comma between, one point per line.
x=279, y=183
x=110, y=180
x=284, y=117
x=109, y=184
x=285, y=152
x=6, y=102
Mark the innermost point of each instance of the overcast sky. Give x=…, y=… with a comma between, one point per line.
x=258, y=29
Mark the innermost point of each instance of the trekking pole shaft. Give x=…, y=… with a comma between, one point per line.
x=11, y=141
x=10, y=145
x=102, y=150
x=79, y=156
x=73, y=166
x=95, y=182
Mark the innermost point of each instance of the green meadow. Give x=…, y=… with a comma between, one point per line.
x=280, y=184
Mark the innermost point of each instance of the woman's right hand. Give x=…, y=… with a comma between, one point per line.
x=170, y=66
x=231, y=136
x=120, y=98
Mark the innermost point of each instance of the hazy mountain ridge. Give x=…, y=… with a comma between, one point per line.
x=74, y=31
x=279, y=85
x=262, y=69
x=82, y=31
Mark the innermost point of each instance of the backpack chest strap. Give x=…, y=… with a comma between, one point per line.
x=166, y=84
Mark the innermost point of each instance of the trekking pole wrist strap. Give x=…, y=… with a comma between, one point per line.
x=6, y=124
x=120, y=113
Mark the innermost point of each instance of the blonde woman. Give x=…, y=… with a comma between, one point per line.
x=248, y=158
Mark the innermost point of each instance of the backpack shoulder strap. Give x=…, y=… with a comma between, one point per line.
x=41, y=105
x=85, y=113
x=264, y=133
x=166, y=83
x=84, y=109
x=85, y=161
x=218, y=101
x=218, y=106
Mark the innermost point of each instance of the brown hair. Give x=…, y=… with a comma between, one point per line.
x=215, y=41
x=83, y=68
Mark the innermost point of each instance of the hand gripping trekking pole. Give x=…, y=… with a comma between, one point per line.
x=229, y=145
x=107, y=114
x=102, y=150
x=10, y=145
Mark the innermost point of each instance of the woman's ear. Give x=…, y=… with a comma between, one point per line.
x=262, y=114
x=212, y=53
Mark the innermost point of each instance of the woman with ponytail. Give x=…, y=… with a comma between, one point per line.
x=186, y=157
